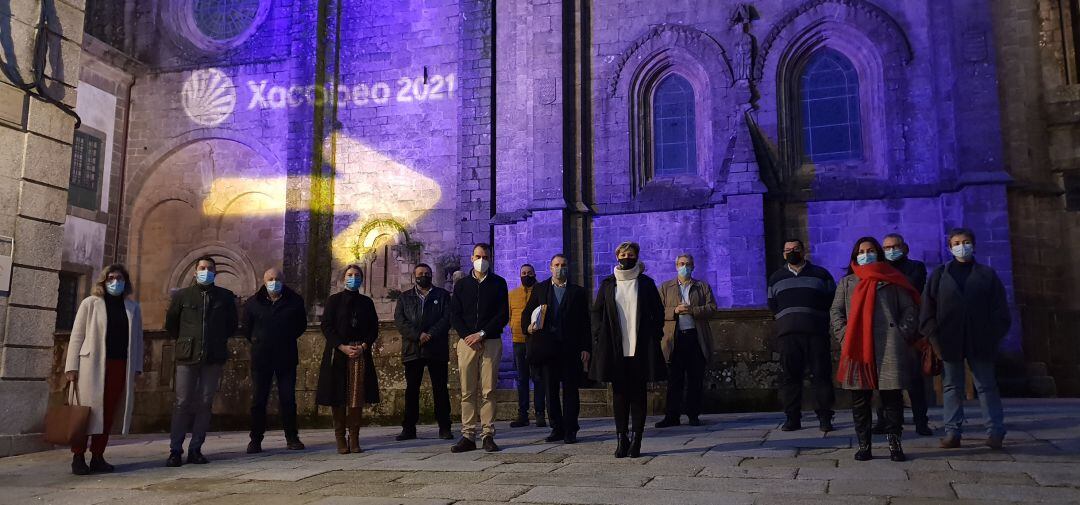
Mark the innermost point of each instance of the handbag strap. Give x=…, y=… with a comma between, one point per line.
x=72, y=390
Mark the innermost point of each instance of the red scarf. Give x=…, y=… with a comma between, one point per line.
x=858, y=365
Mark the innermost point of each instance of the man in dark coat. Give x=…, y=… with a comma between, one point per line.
x=965, y=313
x=274, y=318
x=201, y=318
x=561, y=345
x=896, y=253
x=422, y=316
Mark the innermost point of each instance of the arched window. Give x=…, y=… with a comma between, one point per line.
x=829, y=105
x=674, y=134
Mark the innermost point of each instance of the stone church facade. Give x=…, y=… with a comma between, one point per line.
x=318, y=133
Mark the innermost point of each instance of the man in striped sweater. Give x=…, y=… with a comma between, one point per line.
x=800, y=295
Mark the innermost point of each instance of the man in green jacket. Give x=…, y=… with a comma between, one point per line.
x=201, y=318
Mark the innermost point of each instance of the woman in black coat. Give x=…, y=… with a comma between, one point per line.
x=347, y=377
x=627, y=324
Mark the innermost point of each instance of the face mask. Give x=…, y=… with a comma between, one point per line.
x=205, y=277
x=273, y=287
x=627, y=263
x=528, y=280
x=894, y=254
x=481, y=265
x=559, y=273
x=866, y=258
x=685, y=271
x=793, y=258
x=424, y=281
x=963, y=251
x=115, y=287
x=353, y=283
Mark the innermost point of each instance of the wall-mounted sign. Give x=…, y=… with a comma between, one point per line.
x=7, y=250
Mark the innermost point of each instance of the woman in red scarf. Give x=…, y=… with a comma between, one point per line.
x=874, y=316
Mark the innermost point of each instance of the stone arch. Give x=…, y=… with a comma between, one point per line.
x=230, y=262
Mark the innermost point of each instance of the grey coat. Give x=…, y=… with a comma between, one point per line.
x=895, y=321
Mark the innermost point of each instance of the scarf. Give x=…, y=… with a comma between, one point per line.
x=858, y=364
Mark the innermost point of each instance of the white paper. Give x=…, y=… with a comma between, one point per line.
x=535, y=318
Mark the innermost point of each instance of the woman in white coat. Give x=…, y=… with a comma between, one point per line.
x=104, y=356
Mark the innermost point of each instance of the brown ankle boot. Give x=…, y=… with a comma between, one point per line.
x=339, y=430
x=354, y=430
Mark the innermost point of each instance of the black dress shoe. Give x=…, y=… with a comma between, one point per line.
x=489, y=444
x=463, y=445
x=555, y=436
x=825, y=424
x=78, y=465
x=791, y=425
x=406, y=434
x=635, y=444
x=174, y=460
x=571, y=437
x=99, y=465
x=254, y=447
x=623, y=448
x=694, y=421
x=923, y=429
x=668, y=422
x=444, y=433
x=196, y=458
x=520, y=422
x=295, y=445
x=540, y=422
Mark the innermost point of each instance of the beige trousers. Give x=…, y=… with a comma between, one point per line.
x=479, y=372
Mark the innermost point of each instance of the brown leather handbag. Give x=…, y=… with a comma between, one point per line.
x=929, y=360
x=67, y=423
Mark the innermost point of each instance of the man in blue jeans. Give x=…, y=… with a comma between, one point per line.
x=965, y=313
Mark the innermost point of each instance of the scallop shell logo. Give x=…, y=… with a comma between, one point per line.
x=209, y=96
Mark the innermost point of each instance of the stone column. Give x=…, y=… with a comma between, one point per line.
x=35, y=161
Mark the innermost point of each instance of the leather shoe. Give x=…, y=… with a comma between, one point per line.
x=99, y=465
x=555, y=436
x=78, y=465
x=825, y=424
x=571, y=437
x=694, y=421
x=923, y=429
x=295, y=445
x=668, y=422
x=196, y=458
x=540, y=422
x=444, y=433
x=623, y=448
x=406, y=434
x=995, y=442
x=791, y=425
x=951, y=441
x=464, y=445
x=519, y=422
x=174, y=460
x=254, y=447
x=489, y=444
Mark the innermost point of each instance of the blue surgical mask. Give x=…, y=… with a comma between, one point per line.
x=894, y=254
x=274, y=287
x=560, y=273
x=205, y=277
x=115, y=287
x=353, y=283
x=963, y=251
x=866, y=258
x=685, y=271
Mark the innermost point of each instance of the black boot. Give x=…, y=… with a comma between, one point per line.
x=863, y=454
x=896, y=452
x=99, y=465
x=623, y=449
x=78, y=465
x=635, y=444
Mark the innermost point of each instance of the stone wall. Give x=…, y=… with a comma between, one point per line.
x=742, y=376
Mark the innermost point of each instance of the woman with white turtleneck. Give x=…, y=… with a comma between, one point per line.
x=628, y=323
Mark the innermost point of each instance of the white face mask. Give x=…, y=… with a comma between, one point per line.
x=963, y=251
x=481, y=265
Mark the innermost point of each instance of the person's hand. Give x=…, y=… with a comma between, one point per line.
x=682, y=309
x=362, y=347
x=475, y=341
x=532, y=328
x=351, y=351
x=424, y=338
x=71, y=375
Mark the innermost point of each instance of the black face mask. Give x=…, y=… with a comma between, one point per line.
x=528, y=280
x=627, y=263
x=793, y=258
x=424, y=281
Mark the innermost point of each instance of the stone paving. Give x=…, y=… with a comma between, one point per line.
x=735, y=458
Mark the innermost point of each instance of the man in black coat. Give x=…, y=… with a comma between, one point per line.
x=479, y=311
x=896, y=253
x=560, y=344
x=422, y=316
x=201, y=318
x=965, y=313
x=274, y=318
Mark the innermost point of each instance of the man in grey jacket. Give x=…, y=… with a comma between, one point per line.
x=965, y=313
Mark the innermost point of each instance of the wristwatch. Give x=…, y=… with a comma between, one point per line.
x=482, y=333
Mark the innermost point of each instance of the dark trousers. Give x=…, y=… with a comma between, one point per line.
x=862, y=413
x=414, y=375
x=686, y=372
x=563, y=375
x=628, y=397
x=262, y=376
x=917, y=394
x=525, y=373
x=797, y=352
x=195, y=387
x=115, y=378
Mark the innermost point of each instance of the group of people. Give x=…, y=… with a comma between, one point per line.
x=634, y=333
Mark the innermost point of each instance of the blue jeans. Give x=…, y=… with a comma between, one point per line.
x=525, y=373
x=952, y=385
